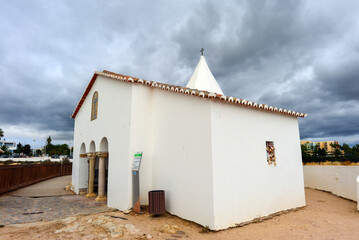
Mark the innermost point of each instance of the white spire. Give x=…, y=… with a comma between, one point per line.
x=203, y=79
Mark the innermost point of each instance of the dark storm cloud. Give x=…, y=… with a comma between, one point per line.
x=300, y=55
x=341, y=81
x=287, y=54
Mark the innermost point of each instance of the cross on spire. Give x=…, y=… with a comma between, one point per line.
x=202, y=50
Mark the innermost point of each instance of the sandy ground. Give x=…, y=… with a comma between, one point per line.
x=347, y=163
x=325, y=217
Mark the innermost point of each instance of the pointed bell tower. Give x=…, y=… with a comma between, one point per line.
x=203, y=79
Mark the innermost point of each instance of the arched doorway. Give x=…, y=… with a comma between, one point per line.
x=92, y=148
x=104, y=145
x=92, y=171
x=83, y=148
x=103, y=170
x=83, y=169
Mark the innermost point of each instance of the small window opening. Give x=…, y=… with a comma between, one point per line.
x=271, y=159
x=94, y=106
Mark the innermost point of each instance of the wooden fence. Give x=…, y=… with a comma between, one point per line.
x=17, y=176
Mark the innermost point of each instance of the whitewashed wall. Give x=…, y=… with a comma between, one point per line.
x=141, y=138
x=182, y=161
x=245, y=186
x=339, y=180
x=113, y=122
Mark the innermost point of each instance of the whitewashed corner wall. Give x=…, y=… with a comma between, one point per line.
x=339, y=180
x=113, y=122
x=182, y=157
x=141, y=137
x=245, y=186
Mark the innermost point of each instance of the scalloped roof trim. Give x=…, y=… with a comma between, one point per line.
x=183, y=90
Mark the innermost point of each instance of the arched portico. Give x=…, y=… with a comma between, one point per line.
x=102, y=166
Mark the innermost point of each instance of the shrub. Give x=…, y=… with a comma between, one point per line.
x=7, y=162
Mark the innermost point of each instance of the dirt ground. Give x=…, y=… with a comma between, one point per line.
x=329, y=163
x=325, y=217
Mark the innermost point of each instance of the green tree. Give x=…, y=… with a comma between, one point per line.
x=58, y=149
x=38, y=152
x=322, y=152
x=19, y=148
x=27, y=150
x=347, y=149
x=1, y=133
x=48, y=140
x=335, y=145
x=316, y=150
x=5, y=150
x=305, y=153
x=49, y=147
x=355, y=149
x=63, y=149
x=337, y=148
x=337, y=152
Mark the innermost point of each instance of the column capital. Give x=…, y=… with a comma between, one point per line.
x=102, y=154
x=91, y=155
x=83, y=155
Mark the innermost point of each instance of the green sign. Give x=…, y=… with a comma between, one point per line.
x=137, y=161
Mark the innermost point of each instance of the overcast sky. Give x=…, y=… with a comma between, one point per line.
x=299, y=55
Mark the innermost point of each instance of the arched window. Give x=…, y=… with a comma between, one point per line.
x=94, y=106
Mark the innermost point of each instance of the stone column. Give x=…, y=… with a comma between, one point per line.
x=92, y=157
x=102, y=177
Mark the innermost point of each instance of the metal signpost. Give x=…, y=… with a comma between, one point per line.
x=136, y=182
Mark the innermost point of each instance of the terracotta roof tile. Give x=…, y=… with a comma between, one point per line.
x=182, y=90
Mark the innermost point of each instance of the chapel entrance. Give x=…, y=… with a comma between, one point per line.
x=98, y=171
x=102, y=173
x=91, y=170
x=84, y=166
x=96, y=180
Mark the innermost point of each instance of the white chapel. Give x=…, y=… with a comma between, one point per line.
x=222, y=160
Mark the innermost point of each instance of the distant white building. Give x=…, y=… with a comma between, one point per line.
x=10, y=145
x=221, y=160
